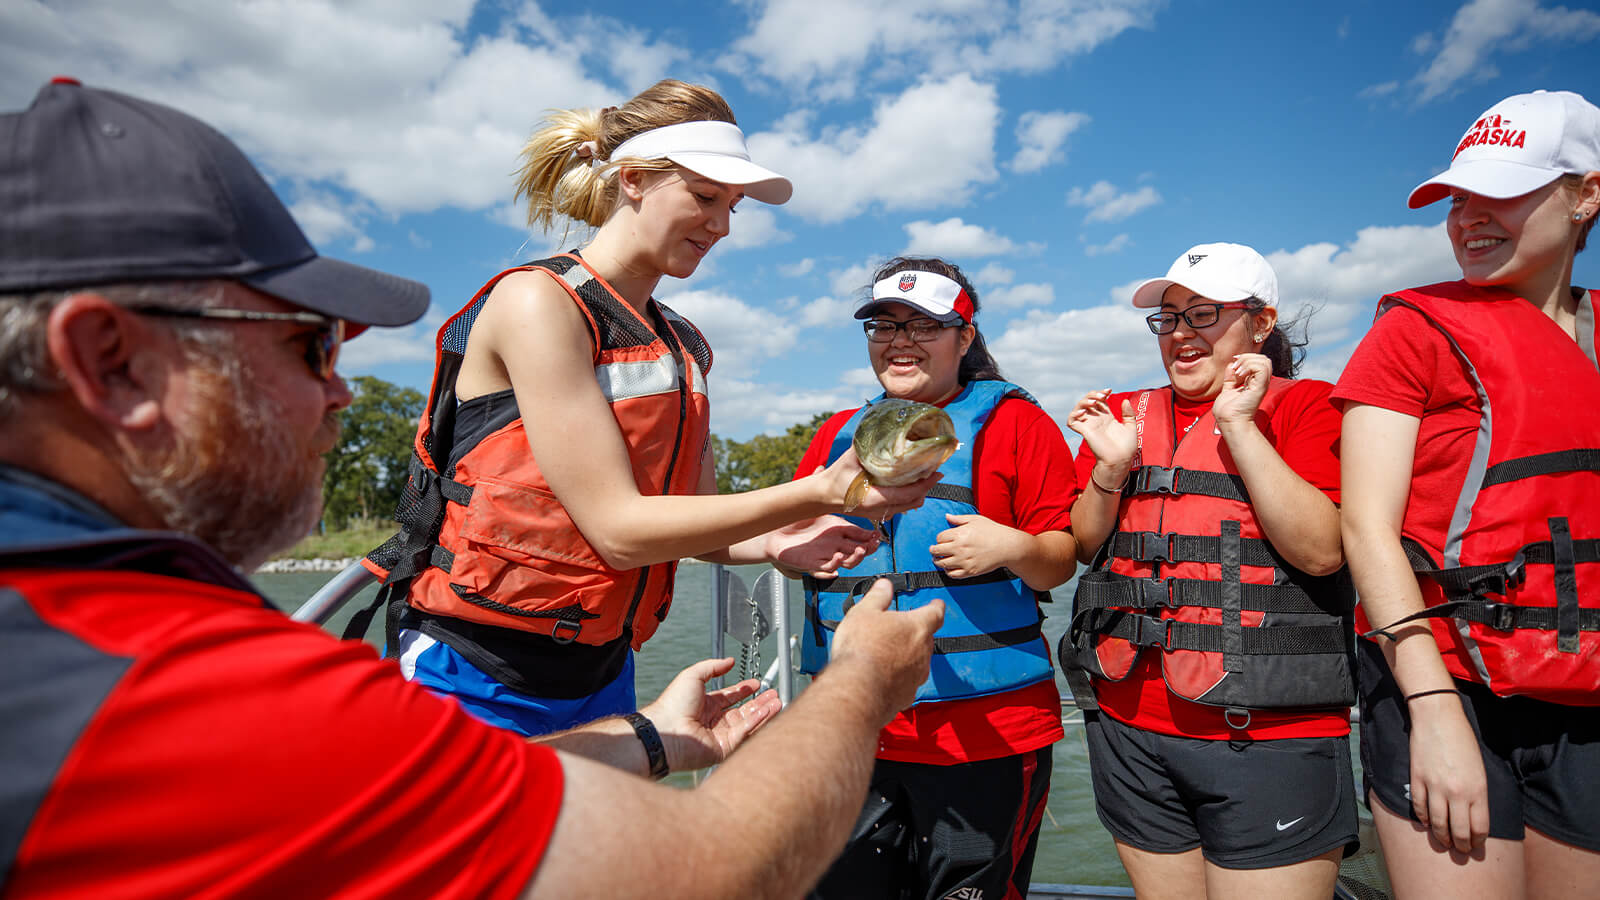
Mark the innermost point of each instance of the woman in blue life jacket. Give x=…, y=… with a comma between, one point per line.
x=563, y=466
x=1211, y=640
x=962, y=775
x=1472, y=518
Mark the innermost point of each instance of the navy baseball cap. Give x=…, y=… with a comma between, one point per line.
x=98, y=187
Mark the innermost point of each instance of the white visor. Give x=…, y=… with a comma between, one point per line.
x=715, y=150
x=930, y=293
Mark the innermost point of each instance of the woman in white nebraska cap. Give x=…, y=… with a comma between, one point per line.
x=1472, y=518
x=1214, y=630
x=557, y=468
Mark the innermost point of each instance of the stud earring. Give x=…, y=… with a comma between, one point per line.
x=1260, y=338
x=1577, y=216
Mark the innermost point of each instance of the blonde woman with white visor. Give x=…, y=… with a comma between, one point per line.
x=563, y=464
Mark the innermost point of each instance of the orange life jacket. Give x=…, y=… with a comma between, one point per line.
x=489, y=542
x=1518, y=604
x=1189, y=571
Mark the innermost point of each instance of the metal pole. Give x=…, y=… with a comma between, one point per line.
x=719, y=611
x=334, y=594
x=780, y=625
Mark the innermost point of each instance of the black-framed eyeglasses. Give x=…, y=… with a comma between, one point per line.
x=322, y=345
x=921, y=330
x=1200, y=315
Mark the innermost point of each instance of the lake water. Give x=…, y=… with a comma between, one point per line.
x=1073, y=847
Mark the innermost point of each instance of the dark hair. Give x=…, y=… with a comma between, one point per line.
x=1286, y=345
x=977, y=364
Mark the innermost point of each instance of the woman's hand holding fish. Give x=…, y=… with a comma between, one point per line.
x=976, y=545
x=821, y=546
x=1114, y=440
x=1244, y=384
x=880, y=501
x=700, y=728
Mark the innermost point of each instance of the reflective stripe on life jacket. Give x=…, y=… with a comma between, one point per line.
x=990, y=640
x=1189, y=571
x=1518, y=608
x=489, y=542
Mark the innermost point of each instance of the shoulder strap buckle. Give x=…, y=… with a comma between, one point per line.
x=1154, y=480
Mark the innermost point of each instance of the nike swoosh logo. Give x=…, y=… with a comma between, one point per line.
x=1282, y=825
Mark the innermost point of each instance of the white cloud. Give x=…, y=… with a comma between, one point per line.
x=828, y=47
x=1115, y=245
x=755, y=225
x=383, y=346
x=1482, y=28
x=1020, y=295
x=994, y=273
x=1059, y=357
x=1041, y=137
x=1107, y=204
x=326, y=221
x=926, y=148
x=956, y=238
x=797, y=269
x=828, y=312
x=741, y=336
x=853, y=280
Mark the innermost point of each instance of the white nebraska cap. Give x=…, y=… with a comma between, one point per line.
x=1226, y=273
x=1520, y=144
x=713, y=149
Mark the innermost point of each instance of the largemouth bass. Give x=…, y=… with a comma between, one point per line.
x=898, y=442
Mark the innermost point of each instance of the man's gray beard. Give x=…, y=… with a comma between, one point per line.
x=234, y=479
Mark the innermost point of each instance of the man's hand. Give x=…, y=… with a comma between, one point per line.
x=888, y=650
x=700, y=728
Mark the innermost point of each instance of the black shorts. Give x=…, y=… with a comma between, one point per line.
x=1245, y=804
x=1542, y=759
x=929, y=831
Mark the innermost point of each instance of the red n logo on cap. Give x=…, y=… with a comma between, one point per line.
x=907, y=282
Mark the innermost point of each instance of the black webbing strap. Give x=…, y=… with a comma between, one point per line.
x=1150, y=546
x=1499, y=616
x=856, y=585
x=1078, y=683
x=953, y=492
x=1232, y=625
x=1496, y=578
x=1566, y=584
x=1102, y=590
x=1011, y=637
x=1170, y=634
x=1177, y=480
x=1585, y=459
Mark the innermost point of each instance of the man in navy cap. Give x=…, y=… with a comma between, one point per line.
x=168, y=340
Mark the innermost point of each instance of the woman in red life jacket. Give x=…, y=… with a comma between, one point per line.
x=1472, y=517
x=1211, y=642
x=560, y=471
x=959, y=788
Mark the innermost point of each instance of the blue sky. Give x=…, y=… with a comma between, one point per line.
x=1060, y=151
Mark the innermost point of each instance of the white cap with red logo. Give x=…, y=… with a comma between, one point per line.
x=939, y=297
x=1520, y=144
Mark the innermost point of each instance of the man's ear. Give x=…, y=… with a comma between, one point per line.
x=108, y=360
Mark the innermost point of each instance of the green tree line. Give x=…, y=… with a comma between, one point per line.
x=366, y=470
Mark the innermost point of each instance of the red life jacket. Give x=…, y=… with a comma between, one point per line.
x=1517, y=604
x=1189, y=571
x=489, y=542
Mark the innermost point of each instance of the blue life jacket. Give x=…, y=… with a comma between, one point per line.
x=990, y=641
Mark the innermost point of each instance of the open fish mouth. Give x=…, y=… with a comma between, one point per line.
x=899, y=442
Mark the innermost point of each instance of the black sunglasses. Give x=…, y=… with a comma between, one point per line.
x=322, y=345
x=1200, y=315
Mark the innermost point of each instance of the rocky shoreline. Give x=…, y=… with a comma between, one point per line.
x=282, y=566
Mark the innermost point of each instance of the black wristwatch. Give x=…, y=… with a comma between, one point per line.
x=654, y=751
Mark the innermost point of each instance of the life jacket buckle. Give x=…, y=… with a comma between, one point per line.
x=565, y=631
x=1155, y=480
x=1516, y=572
x=1160, y=636
x=1156, y=547
x=1502, y=616
x=1156, y=593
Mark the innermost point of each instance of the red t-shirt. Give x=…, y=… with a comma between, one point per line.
x=1022, y=477
x=1307, y=427
x=240, y=754
x=1405, y=365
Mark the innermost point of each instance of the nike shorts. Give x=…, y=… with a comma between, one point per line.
x=1540, y=758
x=1245, y=804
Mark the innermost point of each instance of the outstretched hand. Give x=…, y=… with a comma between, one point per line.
x=1115, y=441
x=700, y=728
x=820, y=546
x=890, y=650
x=1244, y=384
